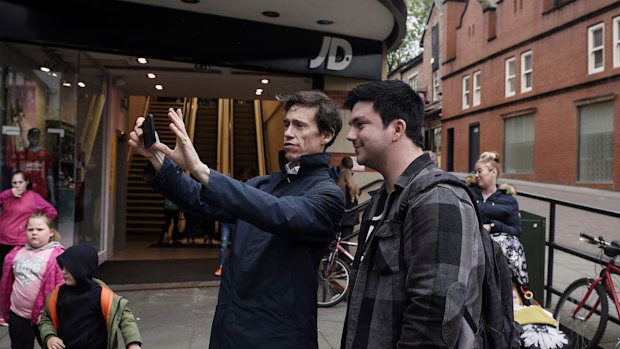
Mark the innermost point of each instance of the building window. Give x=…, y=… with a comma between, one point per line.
x=465, y=103
x=477, y=85
x=519, y=144
x=436, y=95
x=616, y=42
x=526, y=71
x=596, y=49
x=596, y=142
x=413, y=82
x=511, y=88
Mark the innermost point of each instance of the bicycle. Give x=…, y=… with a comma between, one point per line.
x=334, y=274
x=583, y=308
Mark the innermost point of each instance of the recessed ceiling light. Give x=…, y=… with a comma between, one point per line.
x=159, y=87
x=81, y=84
x=142, y=60
x=259, y=91
x=44, y=69
x=325, y=22
x=272, y=14
x=264, y=81
x=151, y=75
x=66, y=84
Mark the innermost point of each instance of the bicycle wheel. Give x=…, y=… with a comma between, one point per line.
x=333, y=282
x=584, y=333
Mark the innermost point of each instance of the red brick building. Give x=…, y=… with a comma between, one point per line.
x=536, y=81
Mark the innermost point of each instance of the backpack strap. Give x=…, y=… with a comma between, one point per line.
x=107, y=298
x=51, y=303
x=424, y=183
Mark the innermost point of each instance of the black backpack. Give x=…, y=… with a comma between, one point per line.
x=497, y=326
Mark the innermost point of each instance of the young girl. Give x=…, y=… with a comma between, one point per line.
x=30, y=273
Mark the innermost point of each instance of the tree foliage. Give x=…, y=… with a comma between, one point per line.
x=417, y=11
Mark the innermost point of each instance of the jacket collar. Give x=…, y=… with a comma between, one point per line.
x=308, y=164
x=421, y=162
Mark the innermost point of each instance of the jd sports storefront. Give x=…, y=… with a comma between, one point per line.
x=69, y=109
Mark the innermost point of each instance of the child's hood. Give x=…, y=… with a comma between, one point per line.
x=81, y=260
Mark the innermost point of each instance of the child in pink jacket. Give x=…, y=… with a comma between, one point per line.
x=30, y=274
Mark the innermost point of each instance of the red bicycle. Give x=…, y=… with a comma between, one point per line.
x=333, y=274
x=583, y=308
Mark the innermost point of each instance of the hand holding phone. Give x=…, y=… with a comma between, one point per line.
x=148, y=128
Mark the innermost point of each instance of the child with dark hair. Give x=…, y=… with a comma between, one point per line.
x=84, y=312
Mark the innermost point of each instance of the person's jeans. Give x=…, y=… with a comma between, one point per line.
x=225, y=233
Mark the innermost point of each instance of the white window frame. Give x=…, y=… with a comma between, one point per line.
x=477, y=88
x=616, y=44
x=413, y=82
x=509, y=92
x=436, y=79
x=592, y=50
x=525, y=72
x=466, y=92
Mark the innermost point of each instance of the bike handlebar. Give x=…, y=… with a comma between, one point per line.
x=594, y=241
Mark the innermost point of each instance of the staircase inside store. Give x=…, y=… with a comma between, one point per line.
x=205, y=131
x=145, y=215
x=244, y=135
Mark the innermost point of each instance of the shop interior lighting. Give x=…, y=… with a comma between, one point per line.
x=44, y=68
x=151, y=75
x=81, y=84
x=259, y=91
x=264, y=81
x=142, y=60
x=66, y=84
x=159, y=87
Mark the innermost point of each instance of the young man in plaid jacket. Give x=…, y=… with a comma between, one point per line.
x=413, y=280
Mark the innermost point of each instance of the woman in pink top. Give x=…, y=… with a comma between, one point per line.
x=30, y=275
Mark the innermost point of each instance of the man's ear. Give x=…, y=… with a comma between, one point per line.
x=326, y=137
x=400, y=126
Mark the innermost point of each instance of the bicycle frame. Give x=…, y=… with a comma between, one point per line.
x=605, y=279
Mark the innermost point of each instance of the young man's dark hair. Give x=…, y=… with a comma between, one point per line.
x=327, y=113
x=393, y=99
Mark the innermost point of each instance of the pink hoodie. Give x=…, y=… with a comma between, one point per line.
x=51, y=279
x=15, y=214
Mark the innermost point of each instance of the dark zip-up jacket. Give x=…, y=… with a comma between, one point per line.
x=501, y=209
x=267, y=296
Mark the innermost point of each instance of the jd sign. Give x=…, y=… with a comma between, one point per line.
x=329, y=49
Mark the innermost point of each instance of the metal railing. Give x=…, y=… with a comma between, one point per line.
x=552, y=246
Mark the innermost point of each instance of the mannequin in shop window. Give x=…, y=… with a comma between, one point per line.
x=37, y=163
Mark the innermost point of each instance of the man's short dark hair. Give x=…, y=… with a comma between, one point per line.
x=328, y=117
x=392, y=99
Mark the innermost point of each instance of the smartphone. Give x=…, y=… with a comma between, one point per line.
x=148, y=128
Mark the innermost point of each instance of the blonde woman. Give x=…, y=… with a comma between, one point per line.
x=351, y=192
x=499, y=211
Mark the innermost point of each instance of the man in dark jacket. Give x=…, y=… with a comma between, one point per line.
x=284, y=222
x=413, y=276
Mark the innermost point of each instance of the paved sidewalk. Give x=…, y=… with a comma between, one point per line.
x=180, y=316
